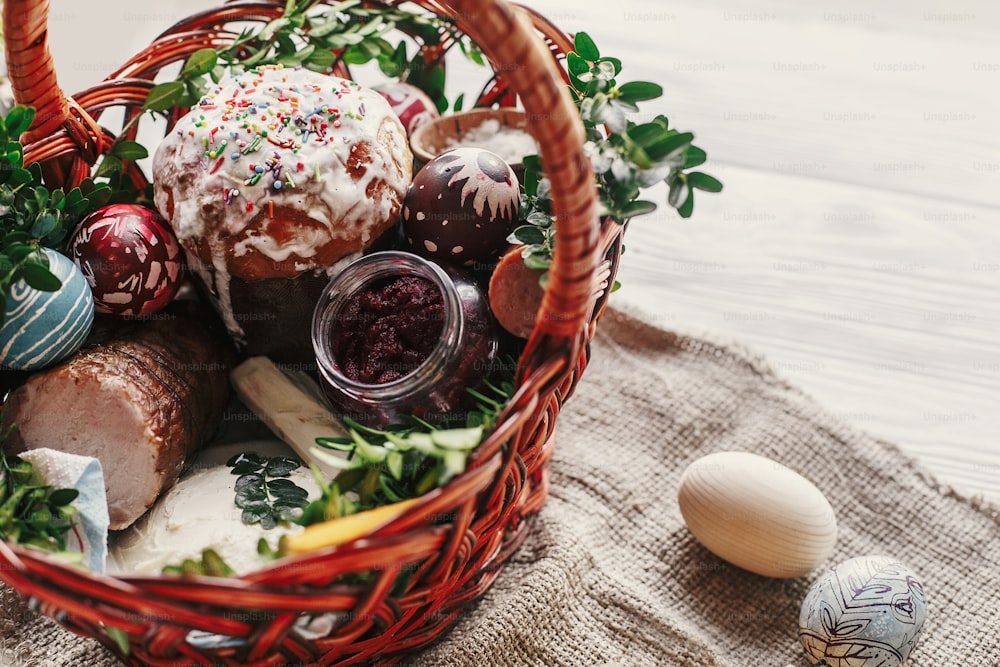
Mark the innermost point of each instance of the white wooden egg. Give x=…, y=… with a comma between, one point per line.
x=757, y=514
x=41, y=328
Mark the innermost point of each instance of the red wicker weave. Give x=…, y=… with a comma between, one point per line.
x=452, y=564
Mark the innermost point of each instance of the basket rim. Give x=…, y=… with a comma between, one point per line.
x=497, y=476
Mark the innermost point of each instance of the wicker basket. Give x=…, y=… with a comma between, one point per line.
x=451, y=564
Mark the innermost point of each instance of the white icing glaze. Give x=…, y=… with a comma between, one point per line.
x=282, y=137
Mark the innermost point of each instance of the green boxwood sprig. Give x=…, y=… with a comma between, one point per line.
x=405, y=461
x=33, y=514
x=263, y=490
x=352, y=32
x=626, y=156
x=33, y=217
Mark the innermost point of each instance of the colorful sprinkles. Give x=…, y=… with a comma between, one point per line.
x=291, y=117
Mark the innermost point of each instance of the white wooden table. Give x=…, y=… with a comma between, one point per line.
x=857, y=243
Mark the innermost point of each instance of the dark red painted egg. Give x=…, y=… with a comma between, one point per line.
x=413, y=106
x=130, y=257
x=461, y=206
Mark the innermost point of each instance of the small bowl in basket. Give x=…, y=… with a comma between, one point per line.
x=483, y=128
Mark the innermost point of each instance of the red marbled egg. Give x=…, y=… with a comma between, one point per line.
x=413, y=106
x=461, y=206
x=130, y=257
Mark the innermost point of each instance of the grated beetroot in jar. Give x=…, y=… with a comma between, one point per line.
x=388, y=329
x=396, y=336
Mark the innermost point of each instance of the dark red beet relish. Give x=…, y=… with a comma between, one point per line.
x=387, y=329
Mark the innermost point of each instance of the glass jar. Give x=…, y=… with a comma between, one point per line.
x=396, y=335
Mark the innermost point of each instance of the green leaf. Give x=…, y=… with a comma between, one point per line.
x=687, y=208
x=265, y=551
x=637, y=207
x=109, y=165
x=297, y=57
x=532, y=169
x=454, y=462
x=193, y=91
x=39, y=277
x=254, y=515
x=251, y=487
x=356, y=56
x=394, y=464
x=61, y=497
x=281, y=466
x=245, y=462
x=252, y=502
x=17, y=251
x=99, y=197
x=285, y=489
x=391, y=494
x=371, y=453
x=615, y=63
x=286, y=509
x=693, y=157
x=538, y=261
x=664, y=147
x=529, y=235
x=20, y=177
x=576, y=64
x=199, y=63
x=273, y=28
x=675, y=193
x=638, y=91
x=585, y=46
x=214, y=566
x=321, y=59
x=119, y=636
x=702, y=181
x=164, y=96
x=18, y=120
x=58, y=199
x=458, y=438
x=129, y=150
x=646, y=134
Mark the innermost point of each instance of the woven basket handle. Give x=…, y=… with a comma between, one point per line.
x=507, y=37
x=30, y=68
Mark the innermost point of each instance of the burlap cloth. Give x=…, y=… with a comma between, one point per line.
x=610, y=575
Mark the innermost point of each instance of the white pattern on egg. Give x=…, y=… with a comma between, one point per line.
x=501, y=198
x=42, y=328
x=865, y=612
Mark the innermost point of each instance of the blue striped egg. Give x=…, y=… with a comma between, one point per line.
x=42, y=328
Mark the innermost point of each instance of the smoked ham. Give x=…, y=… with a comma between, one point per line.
x=142, y=398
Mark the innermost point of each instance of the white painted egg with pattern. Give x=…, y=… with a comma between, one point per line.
x=42, y=328
x=868, y=611
x=757, y=514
